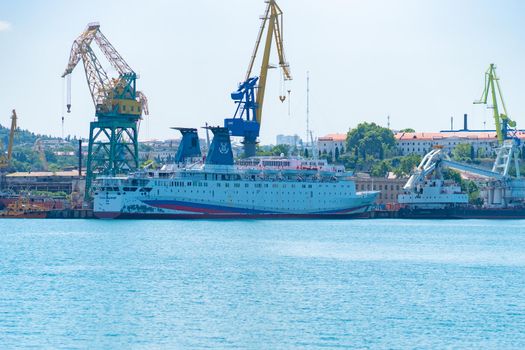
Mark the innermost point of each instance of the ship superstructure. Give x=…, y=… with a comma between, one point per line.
x=256, y=187
x=501, y=187
x=427, y=189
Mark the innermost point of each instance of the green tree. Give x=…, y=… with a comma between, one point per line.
x=407, y=130
x=260, y=151
x=381, y=168
x=473, y=193
x=280, y=149
x=449, y=174
x=406, y=164
x=370, y=140
x=462, y=152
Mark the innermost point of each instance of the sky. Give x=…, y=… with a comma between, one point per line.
x=419, y=62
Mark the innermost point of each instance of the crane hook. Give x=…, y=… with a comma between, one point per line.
x=68, y=92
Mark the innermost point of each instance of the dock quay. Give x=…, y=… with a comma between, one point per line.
x=383, y=214
x=70, y=214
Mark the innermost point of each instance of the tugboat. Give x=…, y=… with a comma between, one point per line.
x=22, y=208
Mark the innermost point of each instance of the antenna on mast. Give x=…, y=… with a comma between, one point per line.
x=289, y=102
x=62, y=107
x=307, y=106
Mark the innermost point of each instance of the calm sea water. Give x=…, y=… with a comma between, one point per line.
x=262, y=284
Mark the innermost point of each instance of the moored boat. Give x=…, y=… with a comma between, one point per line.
x=23, y=208
x=259, y=187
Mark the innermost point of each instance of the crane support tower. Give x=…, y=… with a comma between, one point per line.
x=249, y=96
x=113, y=136
x=5, y=160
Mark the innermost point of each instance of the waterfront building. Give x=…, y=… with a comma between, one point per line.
x=482, y=142
x=290, y=140
x=331, y=144
x=389, y=187
x=48, y=181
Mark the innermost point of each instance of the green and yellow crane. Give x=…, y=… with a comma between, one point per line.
x=507, y=154
x=504, y=125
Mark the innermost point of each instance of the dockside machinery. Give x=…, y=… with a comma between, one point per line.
x=113, y=136
x=249, y=96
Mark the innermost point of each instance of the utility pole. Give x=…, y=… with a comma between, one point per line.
x=307, y=106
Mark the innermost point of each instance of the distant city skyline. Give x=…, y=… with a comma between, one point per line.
x=419, y=62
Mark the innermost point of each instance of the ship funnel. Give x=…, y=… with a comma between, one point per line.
x=189, y=145
x=220, y=152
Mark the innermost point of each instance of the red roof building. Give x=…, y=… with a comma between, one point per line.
x=421, y=143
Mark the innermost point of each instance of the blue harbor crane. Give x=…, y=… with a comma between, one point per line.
x=249, y=96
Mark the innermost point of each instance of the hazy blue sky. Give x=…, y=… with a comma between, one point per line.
x=418, y=61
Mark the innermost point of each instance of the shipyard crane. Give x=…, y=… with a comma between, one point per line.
x=508, y=151
x=249, y=96
x=38, y=147
x=502, y=188
x=5, y=160
x=435, y=160
x=505, y=127
x=113, y=136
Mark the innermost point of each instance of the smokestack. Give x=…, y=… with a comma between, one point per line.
x=80, y=158
x=451, y=123
x=465, y=126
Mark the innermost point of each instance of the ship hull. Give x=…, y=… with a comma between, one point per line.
x=185, y=210
x=463, y=213
x=42, y=215
x=142, y=216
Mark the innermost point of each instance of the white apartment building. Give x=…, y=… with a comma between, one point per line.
x=329, y=143
x=290, y=140
x=483, y=142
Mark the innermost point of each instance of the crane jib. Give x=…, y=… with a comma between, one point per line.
x=249, y=97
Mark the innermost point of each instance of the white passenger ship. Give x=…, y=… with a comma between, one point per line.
x=258, y=187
